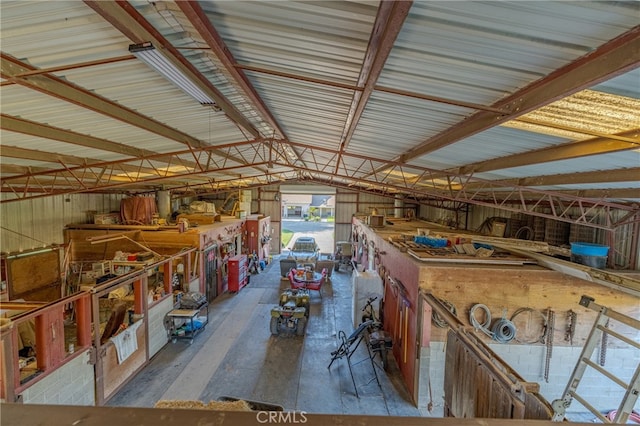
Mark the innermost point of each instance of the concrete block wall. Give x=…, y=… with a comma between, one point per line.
x=595, y=388
x=71, y=384
x=157, y=333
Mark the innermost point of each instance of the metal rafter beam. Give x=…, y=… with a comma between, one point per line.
x=632, y=216
x=595, y=146
x=416, y=198
x=43, y=156
x=618, y=175
x=126, y=19
x=41, y=130
x=32, y=128
x=276, y=152
x=633, y=139
x=632, y=136
x=389, y=20
x=194, y=13
x=67, y=161
x=74, y=66
x=215, y=187
x=612, y=58
x=95, y=179
x=589, y=194
x=377, y=88
x=601, y=194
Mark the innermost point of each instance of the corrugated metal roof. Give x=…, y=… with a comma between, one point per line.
x=300, y=68
x=495, y=143
x=627, y=85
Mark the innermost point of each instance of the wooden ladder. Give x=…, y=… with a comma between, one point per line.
x=598, y=331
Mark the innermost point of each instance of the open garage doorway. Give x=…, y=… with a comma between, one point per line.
x=308, y=210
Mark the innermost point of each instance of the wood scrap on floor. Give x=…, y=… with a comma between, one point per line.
x=239, y=405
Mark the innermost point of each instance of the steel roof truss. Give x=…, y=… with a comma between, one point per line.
x=499, y=198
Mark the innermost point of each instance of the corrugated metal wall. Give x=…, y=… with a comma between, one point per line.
x=39, y=222
x=350, y=203
x=346, y=207
x=267, y=202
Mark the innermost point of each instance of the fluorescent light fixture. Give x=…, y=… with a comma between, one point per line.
x=148, y=54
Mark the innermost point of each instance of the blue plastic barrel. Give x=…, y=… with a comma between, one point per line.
x=589, y=249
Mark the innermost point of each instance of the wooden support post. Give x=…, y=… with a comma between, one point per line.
x=83, y=320
x=9, y=380
x=139, y=297
x=167, y=274
x=43, y=341
x=187, y=270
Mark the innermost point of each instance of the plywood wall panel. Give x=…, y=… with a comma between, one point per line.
x=83, y=250
x=29, y=272
x=504, y=290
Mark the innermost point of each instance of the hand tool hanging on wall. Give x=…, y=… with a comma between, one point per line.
x=551, y=319
x=570, y=329
x=603, y=346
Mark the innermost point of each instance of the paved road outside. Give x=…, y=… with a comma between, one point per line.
x=323, y=232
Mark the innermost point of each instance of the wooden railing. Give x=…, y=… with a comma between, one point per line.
x=50, y=350
x=80, y=310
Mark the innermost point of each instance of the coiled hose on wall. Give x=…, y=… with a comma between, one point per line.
x=502, y=331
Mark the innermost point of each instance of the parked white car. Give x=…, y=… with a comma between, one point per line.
x=305, y=250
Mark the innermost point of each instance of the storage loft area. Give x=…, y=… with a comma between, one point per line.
x=526, y=306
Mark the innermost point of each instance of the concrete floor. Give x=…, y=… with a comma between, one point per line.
x=236, y=355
